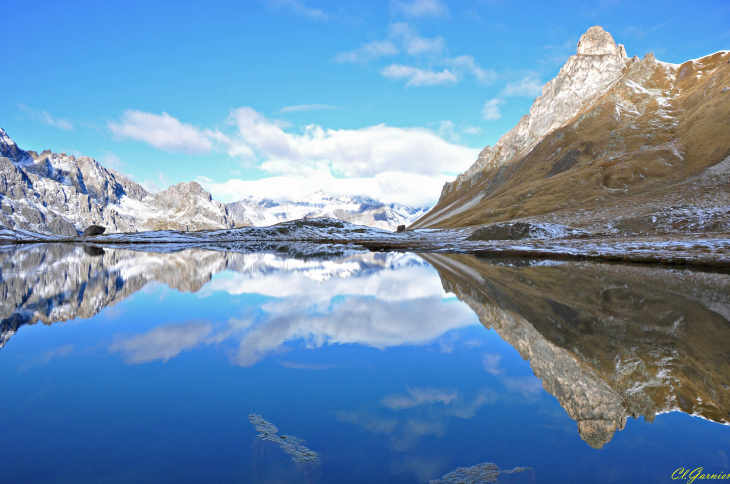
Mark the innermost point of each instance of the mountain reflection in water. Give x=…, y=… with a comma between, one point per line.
x=609, y=341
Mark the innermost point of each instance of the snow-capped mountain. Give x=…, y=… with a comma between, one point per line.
x=61, y=194
x=52, y=193
x=357, y=210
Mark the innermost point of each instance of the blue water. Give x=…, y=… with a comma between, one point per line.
x=373, y=364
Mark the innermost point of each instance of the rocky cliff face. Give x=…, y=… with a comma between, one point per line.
x=61, y=194
x=610, y=138
x=609, y=342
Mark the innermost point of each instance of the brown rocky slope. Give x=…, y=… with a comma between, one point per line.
x=646, y=150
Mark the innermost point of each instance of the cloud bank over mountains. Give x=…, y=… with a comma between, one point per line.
x=395, y=165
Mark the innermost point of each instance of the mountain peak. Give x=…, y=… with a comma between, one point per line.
x=597, y=41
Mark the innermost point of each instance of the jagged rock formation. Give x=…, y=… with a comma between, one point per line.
x=613, y=145
x=356, y=210
x=60, y=194
x=607, y=341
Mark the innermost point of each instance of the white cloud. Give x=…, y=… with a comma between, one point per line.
x=491, y=363
x=419, y=77
x=419, y=8
x=367, y=52
x=529, y=86
x=472, y=129
x=412, y=41
x=401, y=165
x=490, y=111
x=164, y=132
x=46, y=118
x=298, y=7
x=305, y=107
x=467, y=64
x=347, y=152
x=390, y=187
x=163, y=342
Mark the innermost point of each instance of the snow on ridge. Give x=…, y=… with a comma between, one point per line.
x=263, y=212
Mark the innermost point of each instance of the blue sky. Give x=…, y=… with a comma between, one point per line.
x=284, y=97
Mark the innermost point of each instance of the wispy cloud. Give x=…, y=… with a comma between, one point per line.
x=418, y=77
x=419, y=8
x=367, y=52
x=467, y=64
x=164, y=342
x=298, y=7
x=163, y=132
x=305, y=107
x=419, y=396
x=491, y=363
x=407, y=38
x=528, y=86
x=491, y=111
x=46, y=118
x=412, y=41
x=47, y=356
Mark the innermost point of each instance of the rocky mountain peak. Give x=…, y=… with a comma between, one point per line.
x=597, y=41
x=9, y=149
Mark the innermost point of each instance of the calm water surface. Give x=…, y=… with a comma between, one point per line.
x=132, y=366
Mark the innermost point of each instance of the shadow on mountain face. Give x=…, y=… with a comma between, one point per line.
x=608, y=341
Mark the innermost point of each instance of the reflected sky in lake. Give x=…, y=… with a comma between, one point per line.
x=208, y=366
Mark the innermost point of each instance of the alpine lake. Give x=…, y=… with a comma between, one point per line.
x=332, y=365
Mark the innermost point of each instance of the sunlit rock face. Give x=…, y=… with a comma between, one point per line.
x=55, y=193
x=613, y=145
x=608, y=341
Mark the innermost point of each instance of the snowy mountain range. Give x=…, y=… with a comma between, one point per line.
x=356, y=210
x=51, y=193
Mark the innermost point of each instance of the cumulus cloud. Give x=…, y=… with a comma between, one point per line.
x=350, y=153
x=419, y=77
x=528, y=86
x=402, y=165
x=390, y=187
x=490, y=111
x=163, y=132
x=305, y=107
x=367, y=52
x=46, y=118
x=419, y=8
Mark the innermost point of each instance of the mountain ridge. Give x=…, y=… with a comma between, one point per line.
x=614, y=146
x=55, y=193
